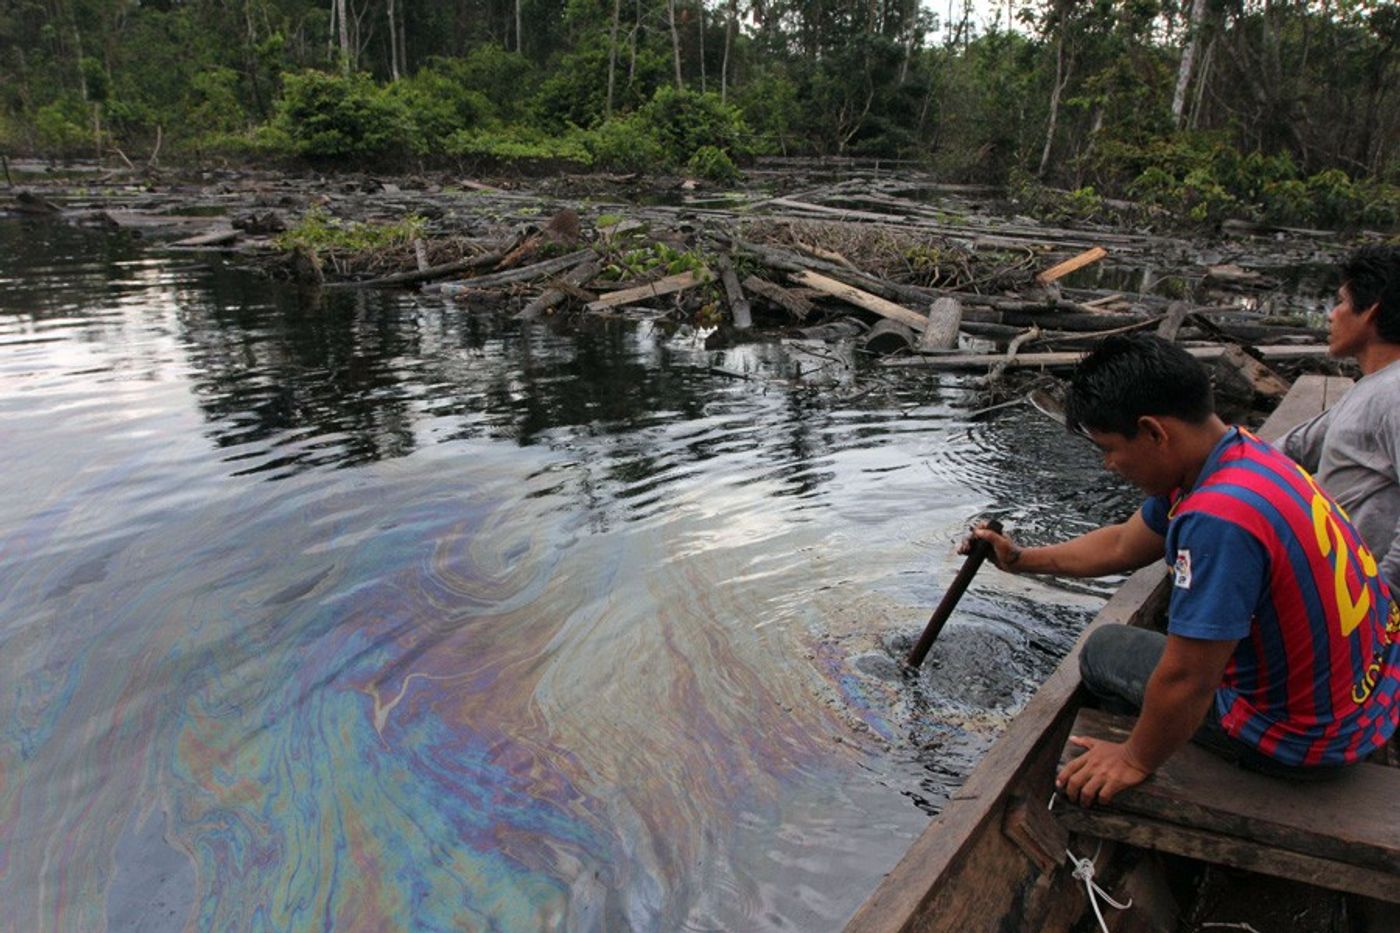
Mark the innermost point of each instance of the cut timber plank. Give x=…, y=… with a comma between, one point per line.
x=941, y=331
x=862, y=299
x=1350, y=820
x=1310, y=396
x=1067, y=360
x=666, y=286
x=1060, y=270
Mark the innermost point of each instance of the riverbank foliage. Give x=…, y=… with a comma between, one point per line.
x=1283, y=112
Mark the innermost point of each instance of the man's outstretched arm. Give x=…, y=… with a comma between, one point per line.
x=1111, y=549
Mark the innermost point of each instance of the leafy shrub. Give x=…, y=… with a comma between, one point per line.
x=212, y=104
x=683, y=121
x=713, y=164
x=514, y=143
x=769, y=103
x=330, y=117
x=61, y=127
x=627, y=144
x=507, y=79
x=318, y=231
x=649, y=258
x=438, y=104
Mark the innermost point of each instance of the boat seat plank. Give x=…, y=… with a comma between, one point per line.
x=1342, y=833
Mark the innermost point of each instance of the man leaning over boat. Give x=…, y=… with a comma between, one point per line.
x=1353, y=448
x=1282, y=650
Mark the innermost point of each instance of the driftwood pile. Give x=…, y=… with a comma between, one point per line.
x=919, y=273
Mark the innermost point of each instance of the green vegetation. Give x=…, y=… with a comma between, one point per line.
x=319, y=232
x=1282, y=111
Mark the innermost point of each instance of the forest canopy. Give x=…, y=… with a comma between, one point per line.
x=1285, y=109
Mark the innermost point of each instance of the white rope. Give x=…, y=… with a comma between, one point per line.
x=1084, y=871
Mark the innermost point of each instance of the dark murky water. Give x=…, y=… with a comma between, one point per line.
x=378, y=613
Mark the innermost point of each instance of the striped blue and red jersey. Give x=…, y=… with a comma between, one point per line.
x=1261, y=554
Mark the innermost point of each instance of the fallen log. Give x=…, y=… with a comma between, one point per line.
x=483, y=261
x=941, y=331
x=734, y=295
x=218, y=236
x=862, y=299
x=796, y=305
x=1067, y=360
x=27, y=202
x=666, y=286
x=513, y=276
x=571, y=281
x=1171, y=324
x=888, y=337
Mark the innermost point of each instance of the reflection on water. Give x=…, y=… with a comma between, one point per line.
x=368, y=610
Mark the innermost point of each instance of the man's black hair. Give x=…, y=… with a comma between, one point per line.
x=1372, y=275
x=1128, y=377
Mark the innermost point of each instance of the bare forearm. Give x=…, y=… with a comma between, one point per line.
x=1096, y=554
x=1174, y=707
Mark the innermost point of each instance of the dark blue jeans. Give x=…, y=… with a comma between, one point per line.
x=1115, y=665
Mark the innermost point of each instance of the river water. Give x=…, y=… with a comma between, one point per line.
x=373, y=612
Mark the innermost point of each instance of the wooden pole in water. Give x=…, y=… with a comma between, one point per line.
x=981, y=550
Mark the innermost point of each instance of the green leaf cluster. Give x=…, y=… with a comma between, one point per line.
x=329, y=117
x=319, y=232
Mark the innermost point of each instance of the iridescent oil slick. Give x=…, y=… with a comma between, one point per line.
x=370, y=612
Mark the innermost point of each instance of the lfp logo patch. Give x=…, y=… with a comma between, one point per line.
x=1182, y=569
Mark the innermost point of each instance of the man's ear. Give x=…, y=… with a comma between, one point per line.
x=1154, y=428
x=1372, y=314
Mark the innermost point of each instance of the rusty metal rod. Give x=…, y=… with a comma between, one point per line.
x=981, y=550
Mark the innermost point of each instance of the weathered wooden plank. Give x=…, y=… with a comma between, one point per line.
x=666, y=286
x=862, y=299
x=1351, y=819
x=1072, y=264
x=1067, y=360
x=1310, y=396
x=1238, y=853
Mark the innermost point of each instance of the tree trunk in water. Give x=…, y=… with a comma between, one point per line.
x=1188, y=62
x=675, y=43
